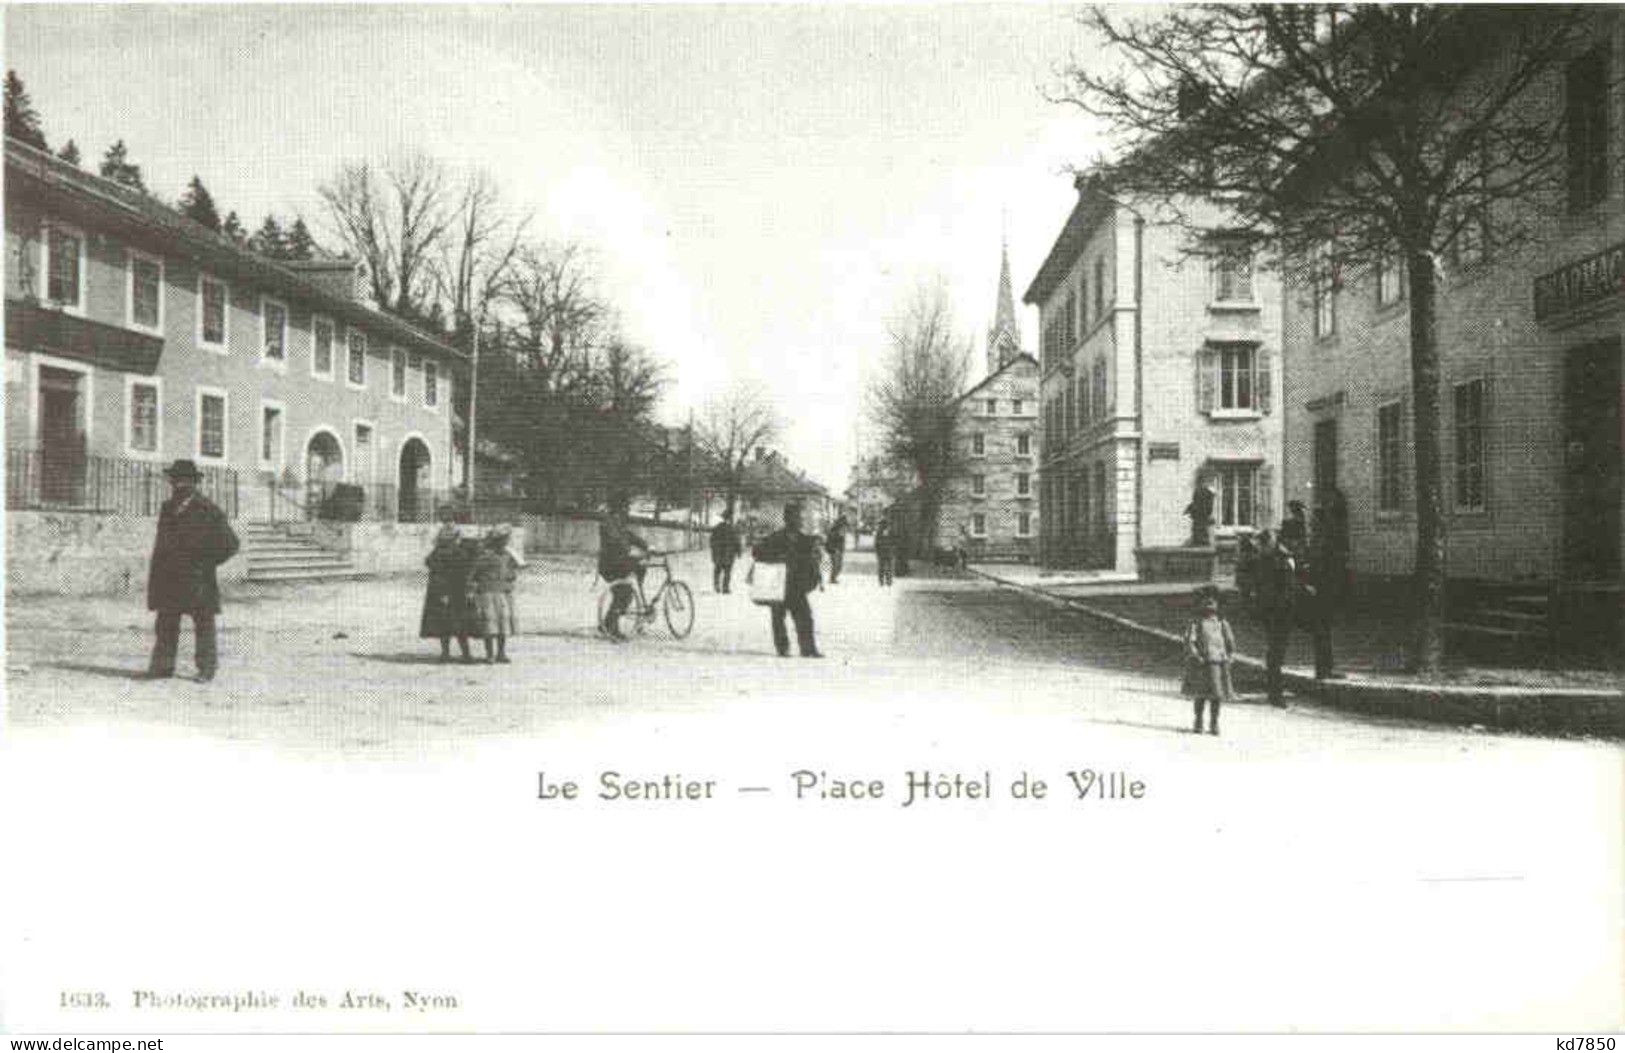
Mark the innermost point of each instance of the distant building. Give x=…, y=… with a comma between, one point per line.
x=992, y=499
x=770, y=483
x=1158, y=372
x=135, y=337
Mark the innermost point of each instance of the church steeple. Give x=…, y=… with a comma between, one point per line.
x=1004, y=338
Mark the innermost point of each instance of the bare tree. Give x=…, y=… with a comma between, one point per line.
x=730, y=427
x=478, y=251
x=913, y=403
x=559, y=314
x=1348, y=137
x=394, y=220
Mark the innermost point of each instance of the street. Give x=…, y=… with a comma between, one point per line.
x=358, y=813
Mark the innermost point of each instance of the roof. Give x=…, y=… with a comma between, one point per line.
x=131, y=211
x=771, y=475
x=991, y=377
x=1086, y=215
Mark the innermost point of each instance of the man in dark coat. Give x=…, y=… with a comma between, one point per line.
x=835, y=545
x=193, y=539
x=725, y=548
x=1321, y=591
x=1294, y=536
x=799, y=553
x=1275, y=582
x=616, y=564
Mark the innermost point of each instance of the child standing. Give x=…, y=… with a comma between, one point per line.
x=444, y=604
x=1210, y=647
x=491, y=582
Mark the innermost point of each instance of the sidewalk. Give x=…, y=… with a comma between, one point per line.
x=1370, y=658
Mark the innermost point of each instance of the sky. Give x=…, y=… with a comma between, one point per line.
x=761, y=187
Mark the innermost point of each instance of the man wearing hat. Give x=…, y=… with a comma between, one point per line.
x=193, y=538
x=799, y=553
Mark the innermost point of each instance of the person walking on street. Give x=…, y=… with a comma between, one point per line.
x=885, y=551
x=835, y=545
x=799, y=553
x=193, y=539
x=617, y=565
x=725, y=548
x=1210, y=648
x=445, y=601
x=1276, y=584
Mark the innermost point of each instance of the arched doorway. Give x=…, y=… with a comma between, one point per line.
x=416, y=495
x=324, y=467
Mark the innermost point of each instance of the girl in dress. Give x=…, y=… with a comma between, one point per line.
x=491, y=583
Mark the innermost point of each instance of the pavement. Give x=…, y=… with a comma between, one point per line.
x=1369, y=647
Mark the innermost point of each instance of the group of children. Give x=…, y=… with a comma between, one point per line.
x=470, y=592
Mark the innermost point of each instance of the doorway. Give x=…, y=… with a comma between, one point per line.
x=1591, y=463
x=63, y=409
x=415, y=502
x=1325, y=456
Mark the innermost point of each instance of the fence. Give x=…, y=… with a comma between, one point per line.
x=50, y=481
x=347, y=502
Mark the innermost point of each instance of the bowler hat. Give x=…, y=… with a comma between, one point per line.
x=184, y=468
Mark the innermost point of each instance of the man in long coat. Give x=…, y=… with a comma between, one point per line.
x=617, y=565
x=1275, y=582
x=799, y=553
x=193, y=539
x=725, y=548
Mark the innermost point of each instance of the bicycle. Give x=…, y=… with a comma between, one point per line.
x=673, y=599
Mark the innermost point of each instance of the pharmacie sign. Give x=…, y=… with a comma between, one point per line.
x=1580, y=284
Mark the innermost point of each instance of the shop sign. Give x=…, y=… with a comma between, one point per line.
x=1163, y=451
x=1580, y=284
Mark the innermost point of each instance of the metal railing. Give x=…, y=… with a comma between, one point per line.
x=49, y=480
x=326, y=501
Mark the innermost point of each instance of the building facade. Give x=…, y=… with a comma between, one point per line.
x=1530, y=347
x=991, y=498
x=135, y=337
x=1158, y=369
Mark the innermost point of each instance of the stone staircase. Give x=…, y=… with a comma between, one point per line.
x=275, y=552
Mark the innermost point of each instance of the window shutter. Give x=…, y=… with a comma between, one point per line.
x=1263, y=382
x=1206, y=367
x=1264, y=496
x=1407, y=454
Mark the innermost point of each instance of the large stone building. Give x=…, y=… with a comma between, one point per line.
x=992, y=497
x=1158, y=369
x=1530, y=345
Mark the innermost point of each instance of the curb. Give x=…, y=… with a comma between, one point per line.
x=1579, y=710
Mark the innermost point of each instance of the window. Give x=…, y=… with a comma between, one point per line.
x=1390, y=281
x=992, y=407
x=1098, y=376
x=1233, y=275
x=978, y=485
x=1024, y=445
x=212, y=313
x=1470, y=407
x=356, y=368
x=978, y=525
x=397, y=373
x=1024, y=524
x=1016, y=407
x=1468, y=248
x=1234, y=380
x=1086, y=412
x=1390, y=457
x=1100, y=288
x=363, y=453
x=1237, y=501
x=141, y=437
x=978, y=445
x=321, y=348
x=1083, y=304
x=271, y=431
x=1325, y=295
x=211, y=424
x=431, y=384
x=146, y=291
x=274, y=322
x=1024, y=484
x=1586, y=121
x=65, y=268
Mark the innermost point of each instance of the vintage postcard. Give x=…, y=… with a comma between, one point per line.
x=812, y=519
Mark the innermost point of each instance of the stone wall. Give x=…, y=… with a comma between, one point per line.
x=580, y=534
x=80, y=554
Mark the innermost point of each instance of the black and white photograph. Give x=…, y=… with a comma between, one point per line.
x=813, y=520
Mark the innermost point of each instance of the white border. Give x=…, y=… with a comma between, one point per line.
x=157, y=451
x=197, y=425
x=281, y=461
x=35, y=361
x=130, y=256
x=78, y=308
x=224, y=346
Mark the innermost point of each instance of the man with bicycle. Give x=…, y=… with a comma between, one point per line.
x=616, y=564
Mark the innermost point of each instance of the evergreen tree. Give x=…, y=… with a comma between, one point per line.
x=233, y=229
x=70, y=153
x=117, y=167
x=198, y=205
x=269, y=239
x=22, y=123
x=299, y=244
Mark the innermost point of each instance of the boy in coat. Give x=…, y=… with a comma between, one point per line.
x=799, y=553
x=1210, y=647
x=725, y=548
x=193, y=539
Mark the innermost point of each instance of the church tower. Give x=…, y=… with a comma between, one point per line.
x=1004, y=338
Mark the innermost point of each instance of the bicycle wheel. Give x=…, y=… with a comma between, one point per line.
x=679, y=607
